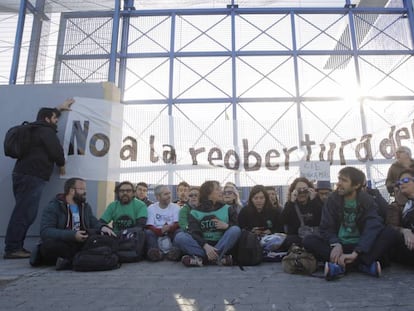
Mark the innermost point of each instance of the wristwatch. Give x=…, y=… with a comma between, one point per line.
x=335, y=244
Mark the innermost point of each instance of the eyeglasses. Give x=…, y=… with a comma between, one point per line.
x=192, y=195
x=228, y=192
x=83, y=189
x=404, y=180
x=125, y=190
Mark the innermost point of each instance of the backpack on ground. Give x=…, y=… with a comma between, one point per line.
x=97, y=254
x=299, y=261
x=131, y=245
x=249, y=250
x=17, y=140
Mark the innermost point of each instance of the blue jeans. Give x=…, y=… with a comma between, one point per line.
x=185, y=242
x=27, y=192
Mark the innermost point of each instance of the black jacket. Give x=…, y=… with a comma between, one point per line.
x=45, y=151
x=368, y=220
x=311, y=212
x=269, y=218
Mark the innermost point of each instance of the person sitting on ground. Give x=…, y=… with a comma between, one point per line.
x=273, y=197
x=213, y=230
x=323, y=190
x=65, y=225
x=301, y=203
x=193, y=201
x=231, y=197
x=403, y=162
x=162, y=224
x=352, y=234
x=405, y=248
x=259, y=216
x=183, y=189
x=126, y=211
x=141, y=193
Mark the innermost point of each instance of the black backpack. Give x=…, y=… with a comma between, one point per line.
x=131, y=245
x=17, y=140
x=97, y=254
x=249, y=250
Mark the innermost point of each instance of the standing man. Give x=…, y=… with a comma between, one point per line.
x=65, y=226
x=141, y=193
x=30, y=175
x=352, y=232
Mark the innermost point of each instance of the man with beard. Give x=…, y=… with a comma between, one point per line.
x=30, y=175
x=352, y=234
x=65, y=225
x=127, y=211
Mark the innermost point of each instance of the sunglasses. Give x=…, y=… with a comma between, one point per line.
x=228, y=192
x=193, y=195
x=405, y=180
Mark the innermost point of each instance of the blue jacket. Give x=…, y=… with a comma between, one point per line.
x=368, y=220
x=56, y=221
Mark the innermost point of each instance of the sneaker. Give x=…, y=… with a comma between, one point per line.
x=35, y=257
x=333, y=271
x=63, y=264
x=154, y=254
x=226, y=260
x=192, y=261
x=18, y=254
x=373, y=269
x=174, y=254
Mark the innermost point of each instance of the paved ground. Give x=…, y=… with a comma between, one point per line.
x=171, y=286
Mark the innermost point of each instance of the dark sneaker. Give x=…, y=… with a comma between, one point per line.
x=63, y=264
x=18, y=254
x=227, y=260
x=154, y=254
x=333, y=271
x=35, y=258
x=192, y=261
x=174, y=254
x=373, y=269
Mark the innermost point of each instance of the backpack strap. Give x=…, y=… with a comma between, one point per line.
x=300, y=216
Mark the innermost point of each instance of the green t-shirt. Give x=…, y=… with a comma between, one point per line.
x=349, y=232
x=183, y=217
x=124, y=216
x=207, y=226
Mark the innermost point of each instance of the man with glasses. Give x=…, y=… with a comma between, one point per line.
x=405, y=250
x=65, y=225
x=126, y=211
x=141, y=193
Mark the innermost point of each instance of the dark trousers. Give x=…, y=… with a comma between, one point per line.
x=402, y=254
x=27, y=192
x=379, y=250
x=51, y=249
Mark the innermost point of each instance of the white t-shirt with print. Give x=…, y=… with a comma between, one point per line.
x=158, y=217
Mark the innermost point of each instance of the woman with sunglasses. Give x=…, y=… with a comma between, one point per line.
x=405, y=250
x=193, y=201
x=231, y=197
x=403, y=162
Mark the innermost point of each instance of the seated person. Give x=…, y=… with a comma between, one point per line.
x=126, y=211
x=259, y=216
x=193, y=201
x=405, y=250
x=323, y=190
x=65, y=225
x=182, y=193
x=301, y=204
x=213, y=229
x=162, y=222
x=141, y=193
x=231, y=197
x=352, y=234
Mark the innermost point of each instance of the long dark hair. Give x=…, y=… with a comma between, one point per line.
x=255, y=190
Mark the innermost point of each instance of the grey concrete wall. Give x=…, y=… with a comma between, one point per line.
x=21, y=102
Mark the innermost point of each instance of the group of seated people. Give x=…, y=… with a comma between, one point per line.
x=348, y=229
